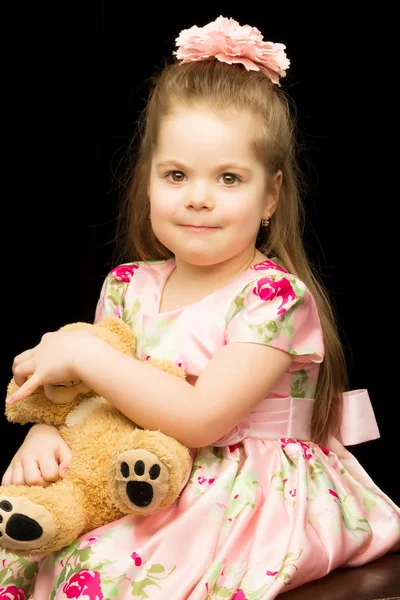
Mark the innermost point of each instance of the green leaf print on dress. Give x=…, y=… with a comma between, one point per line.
x=285, y=572
x=286, y=323
x=128, y=315
x=17, y=578
x=271, y=329
x=73, y=566
x=287, y=480
x=116, y=293
x=369, y=498
x=152, y=578
x=356, y=523
x=77, y=555
x=264, y=331
x=200, y=480
x=318, y=485
x=288, y=562
x=245, y=491
x=299, y=386
x=233, y=583
x=220, y=581
x=238, y=304
x=161, y=339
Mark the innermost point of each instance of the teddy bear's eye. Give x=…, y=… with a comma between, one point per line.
x=67, y=384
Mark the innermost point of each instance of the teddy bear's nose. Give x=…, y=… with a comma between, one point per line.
x=23, y=528
x=140, y=493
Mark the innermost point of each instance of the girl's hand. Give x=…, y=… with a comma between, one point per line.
x=53, y=360
x=42, y=458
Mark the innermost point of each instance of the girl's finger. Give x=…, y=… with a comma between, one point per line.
x=27, y=355
x=32, y=474
x=23, y=371
x=17, y=476
x=27, y=388
x=7, y=477
x=49, y=468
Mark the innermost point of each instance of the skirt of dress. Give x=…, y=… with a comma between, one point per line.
x=254, y=520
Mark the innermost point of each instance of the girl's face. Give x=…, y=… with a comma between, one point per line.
x=208, y=190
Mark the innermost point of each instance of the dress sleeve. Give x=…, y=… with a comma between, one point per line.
x=277, y=310
x=112, y=295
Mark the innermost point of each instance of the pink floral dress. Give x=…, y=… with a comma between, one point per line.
x=265, y=509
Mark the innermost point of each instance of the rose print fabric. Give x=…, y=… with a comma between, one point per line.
x=265, y=509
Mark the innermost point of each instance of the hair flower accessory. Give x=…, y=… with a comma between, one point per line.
x=229, y=42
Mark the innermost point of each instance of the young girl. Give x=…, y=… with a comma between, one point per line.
x=222, y=287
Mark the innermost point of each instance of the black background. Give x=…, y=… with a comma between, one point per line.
x=73, y=93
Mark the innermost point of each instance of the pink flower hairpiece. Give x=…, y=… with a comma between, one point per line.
x=227, y=41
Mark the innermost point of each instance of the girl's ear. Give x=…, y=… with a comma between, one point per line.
x=274, y=189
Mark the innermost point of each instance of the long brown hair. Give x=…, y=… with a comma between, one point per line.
x=231, y=87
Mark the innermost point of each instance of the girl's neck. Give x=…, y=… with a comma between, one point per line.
x=214, y=275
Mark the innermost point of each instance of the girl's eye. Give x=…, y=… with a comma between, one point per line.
x=229, y=179
x=176, y=176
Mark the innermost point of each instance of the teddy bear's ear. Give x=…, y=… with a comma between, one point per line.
x=117, y=333
x=112, y=330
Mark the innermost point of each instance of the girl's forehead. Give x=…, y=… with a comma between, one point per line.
x=203, y=111
x=205, y=127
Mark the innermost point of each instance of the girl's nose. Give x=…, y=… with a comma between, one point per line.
x=199, y=197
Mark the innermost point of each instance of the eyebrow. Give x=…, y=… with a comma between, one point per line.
x=224, y=167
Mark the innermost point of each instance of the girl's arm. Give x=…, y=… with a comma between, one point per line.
x=237, y=378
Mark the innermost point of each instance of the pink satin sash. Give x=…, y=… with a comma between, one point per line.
x=291, y=418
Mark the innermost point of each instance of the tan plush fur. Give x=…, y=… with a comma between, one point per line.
x=111, y=460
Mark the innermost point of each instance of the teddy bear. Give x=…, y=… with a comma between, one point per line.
x=117, y=468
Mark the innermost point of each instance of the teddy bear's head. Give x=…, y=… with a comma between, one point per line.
x=51, y=403
x=112, y=330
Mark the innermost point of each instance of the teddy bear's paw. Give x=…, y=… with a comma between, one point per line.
x=142, y=480
x=24, y=525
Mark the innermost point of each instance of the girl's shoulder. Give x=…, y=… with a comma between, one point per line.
x=123, y=273
x=130, y=279
x=269, y=264
x=272, y=270
x=275, y=307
